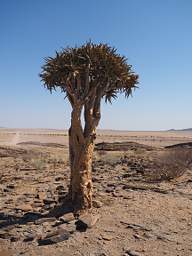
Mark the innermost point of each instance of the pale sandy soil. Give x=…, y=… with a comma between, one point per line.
x=136, y=217
x=159, y=139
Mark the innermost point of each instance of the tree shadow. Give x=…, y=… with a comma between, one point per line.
x=10, y=220
x=60, y=209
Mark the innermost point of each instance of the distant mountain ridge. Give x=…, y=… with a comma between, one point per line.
x=181, y=130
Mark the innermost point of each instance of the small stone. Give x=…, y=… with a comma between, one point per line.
x=55, y=237
x=37, y=204
x=132, y=253
x=29, y=195
x=97, y=204
x=31, y=216
x=86, y=221
x=67, y=217
x=111, y=184
x=29, y=238
x=115, y=194
x=95, y=179
x=137, y=236
x=109, y=190
x=48, y=201
x=127, y=197
x=148, y=235
x=25, y=207
x=7, y=190
x=59, y=178
x=11, y=186
x=100, y=194
x=70, y=227
x=4, y=234
x=9, y=201
x=60, y=187
x=41, y=195
x=61, y=193
x=47, y=207
x=107, y=237
x=42, y=220
x=14, y=239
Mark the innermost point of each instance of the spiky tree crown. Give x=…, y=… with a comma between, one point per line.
x=80, y=71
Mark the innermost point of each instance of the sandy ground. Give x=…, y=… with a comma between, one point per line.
x=135, y=217
x=158, y=139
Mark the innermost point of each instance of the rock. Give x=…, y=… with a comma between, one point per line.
x=115, y=194
x=47, y=207
x=27, y=200
x=111, y=184
x=95, y=179
x=107, y=237
x=110, y=189
x=37, y=204
x=29, y=195
x=70, y=227
x=101, y=194
x=57, y=223
x=11, y=186
x=4, y=234
x=41, y=195
x=55, y=237
x=97, y=204
x=61, y=193
x=166, y=238
x=97, y=254
x=25, y=207
x=29, y=238
x=48, y=201
x=60, y=187
x=31, y=216
x=130, y=252
x=86, y=221
x=14, y=239
x=127, y=197
x=67, y=217
x=137, y=236
x=7, y=190
x=148, y=235
x=9, y=201
x=59, y=178
x=42, y=220
x=136, y=226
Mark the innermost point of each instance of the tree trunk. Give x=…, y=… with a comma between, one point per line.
x=81, y=153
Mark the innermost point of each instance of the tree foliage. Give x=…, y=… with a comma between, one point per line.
x=88, y=72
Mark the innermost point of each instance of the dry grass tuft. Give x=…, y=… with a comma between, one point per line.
x=172, y=164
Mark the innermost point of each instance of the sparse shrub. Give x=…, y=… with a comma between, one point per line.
x=61, y=161
x=111, y=158
x=171, y=164
x=39, y=164
x=140, y=151
x=57, y=161
x=100, y=154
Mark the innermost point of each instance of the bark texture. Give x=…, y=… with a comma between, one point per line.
x=81, y=146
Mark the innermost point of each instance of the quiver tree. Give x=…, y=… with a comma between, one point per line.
x=86, y=75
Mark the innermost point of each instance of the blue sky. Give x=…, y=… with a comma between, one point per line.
x=154, y=35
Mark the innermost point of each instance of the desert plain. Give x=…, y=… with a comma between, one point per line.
x=141, y=207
